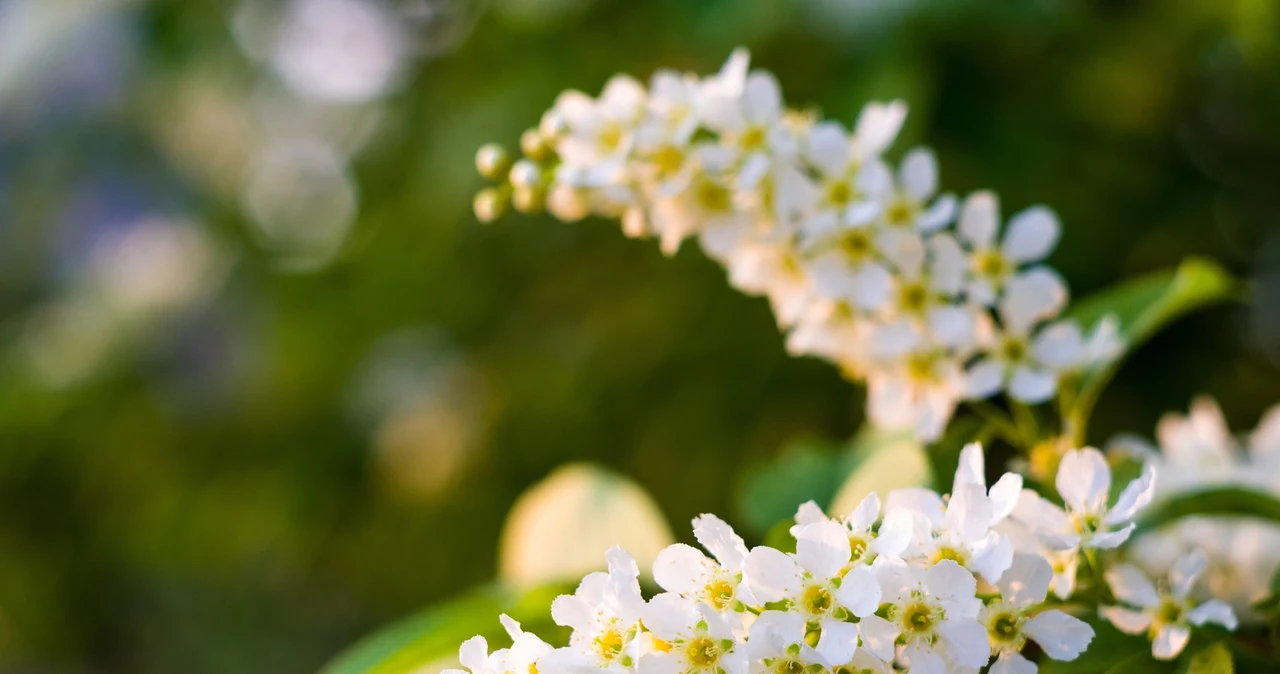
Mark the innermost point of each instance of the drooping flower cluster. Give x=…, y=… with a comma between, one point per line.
x=1198, y=452
x=917, y=293
x=894, y=584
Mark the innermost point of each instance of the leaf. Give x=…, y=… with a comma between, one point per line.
x=771, y=491
x=1143, y=307
x=561, y=527
x=883, y=461
x=434, y=634
x=780, y=538
x=1225, y=501
x=1212, y=659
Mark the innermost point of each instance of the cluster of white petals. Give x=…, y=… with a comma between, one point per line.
x=1198, y=452
x=927, y=298
x=918, y=581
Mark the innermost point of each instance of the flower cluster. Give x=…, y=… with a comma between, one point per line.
x=919, y=580
x=1198, y=452
x=917, y=293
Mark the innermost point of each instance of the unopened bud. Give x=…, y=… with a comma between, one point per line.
x=552, y=125
x=493, y=161
x=526, y=174
x=567, y=203
x=529, y=200
x=490, y=204
x=534, y=145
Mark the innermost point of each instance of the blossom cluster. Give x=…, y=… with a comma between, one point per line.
x=1198, y=452
x=915, y=292
x=920, y=581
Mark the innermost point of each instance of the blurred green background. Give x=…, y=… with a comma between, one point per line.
x=265, y=384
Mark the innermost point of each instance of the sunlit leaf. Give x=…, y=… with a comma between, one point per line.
x=1212, y=659
x=882, y=461
x=433, y=635
x=1226, y=501
x=1143, y=307
x=560, y=529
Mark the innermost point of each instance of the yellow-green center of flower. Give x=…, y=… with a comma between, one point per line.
x=840, y=193
x=609, y=643
x=1005, y=628
x=668, y=159
x=900, y=213
x=610, y=137
x=913, y=298
x=1013, y=349
x=753, y=138
x=712, y=196
x=921, y=367
x=857, y=547
x=702, y=652
x=1170, y=612
x=788, y=666
x=1086, y=524
x=720, y=594
x=856, y=244
x=817, y=599
x=918, y=619
x=990, y=264
x=948, y=552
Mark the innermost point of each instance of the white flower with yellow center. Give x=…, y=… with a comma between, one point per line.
x=521, y=658
x=1017, y=616
x=690, y=639
x=686, y=571
x=600, y=132
x=1029, y=238
x=777, y=645
x=1027, y=365
x=604, y=614
x=870, y=536
x=933, y=614
x=920, y=390
x=700, y=200
x=1084, y=483
x=959, y=530
x=911, y=205
x=1166, y=614
x=818, y=584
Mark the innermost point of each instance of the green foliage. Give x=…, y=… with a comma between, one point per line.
x=1214, y=658
x=1225, y=501
x=770, y=491
x=1143, y=307
x=433, y=635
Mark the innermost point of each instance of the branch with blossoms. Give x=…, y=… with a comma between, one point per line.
x=917, y=294
x=933, y=302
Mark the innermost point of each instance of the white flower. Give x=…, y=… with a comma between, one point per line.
x=818, y=584
x=908, y=206
x=918, y=391
x=600, y=131
x=777, y=645
x=1016, y=617
x=959, y=531
x=520, y=658
x=867, y=541
x=694, y=639
x=1166, y=615
x=1030, y=237
x=1084, y=483
x=684, y=570
x=1198, y=451
x=1028, y=366
x=934, y=613
x=604, y=613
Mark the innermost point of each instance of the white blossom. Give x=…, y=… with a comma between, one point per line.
x=1166, y=614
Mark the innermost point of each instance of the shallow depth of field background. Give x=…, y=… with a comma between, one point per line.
x=265, y=384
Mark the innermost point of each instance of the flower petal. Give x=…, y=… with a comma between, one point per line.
x=1131, y=586
x=878, y=636
x=837, y=642
x=720, y=540
x=1026, y=582
x=1127, y=620
x=771, y=575
x=1083, y=480
x=1031, y=235
x=919, y=174
x=966, y=641
x=1170, y=641
x=1062, y=636
x=979, y=219
x=860, y=591
x=1213, y=611
x=680, y=568
x=822, y=548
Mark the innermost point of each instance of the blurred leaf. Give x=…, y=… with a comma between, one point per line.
x=779, y=536
x=883, y=460
x=561, y=527
x=1227, y=501
x=1212, y=659
x=771, y=491
x=433, y=635
x=1144, y=306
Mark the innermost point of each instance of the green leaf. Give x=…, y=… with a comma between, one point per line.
x=780, y=538
x=1143, y=307
x=882, y=461
x=434, y=634
x=1212, y=659
x=771, y=491
x=1225, y=501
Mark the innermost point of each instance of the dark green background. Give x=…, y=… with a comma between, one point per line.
x=223, y=513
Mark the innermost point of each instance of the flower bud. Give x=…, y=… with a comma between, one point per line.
x=529, y=200
x=552, y=125
x=493, y=161
x=534, y=145
x=567, y=203
x=526, y=174
x=490, y=204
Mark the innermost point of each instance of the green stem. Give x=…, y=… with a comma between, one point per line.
x=1101, y=589
x=1026, y=420
x=1001, y=423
